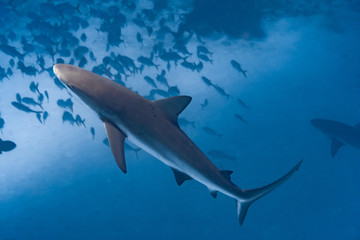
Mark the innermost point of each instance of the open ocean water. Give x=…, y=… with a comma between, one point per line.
x=258, y=73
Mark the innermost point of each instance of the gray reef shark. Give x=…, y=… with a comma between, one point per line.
x=339, y=133
x=153, y=126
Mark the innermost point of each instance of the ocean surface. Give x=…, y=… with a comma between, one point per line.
x=258, y=72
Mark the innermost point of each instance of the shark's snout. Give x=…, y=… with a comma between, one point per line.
x=57, y=71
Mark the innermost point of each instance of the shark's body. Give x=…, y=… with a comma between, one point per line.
x=152, y=125
x=339, y=133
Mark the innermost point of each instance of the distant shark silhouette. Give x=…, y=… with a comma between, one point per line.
x=339, y=133
x=153, y=126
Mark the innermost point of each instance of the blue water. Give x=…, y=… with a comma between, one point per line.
x=301, y=60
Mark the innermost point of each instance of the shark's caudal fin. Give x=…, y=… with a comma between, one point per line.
x=247, y=197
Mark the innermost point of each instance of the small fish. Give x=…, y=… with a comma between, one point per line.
x=204, y=104
x=34, y=87
x=79, y=121
x=38, y=116
x=184, y=122
x=150, y=81
x=238, y=67
x=147, y=61
x=139, y=38
x=207, y=81
x=2, y=124
x=130, y=148
x=45, y=116
x=18, y=97
x=12, y=62
x=240, y=118
x=24, y=108
x=31, y=101
x=92, y=131
x=68, y=117
x=161, y=78
x=83, y=37
x=28, y=70
x=220, y=155
x=199, y=66
x=173, y=91
x=6, y=146
x=221, y=91
x=188, y=65
x=212, y=132
x=68, y=103
x=242, y=103
x=202, y=49
x=59, y=84
x=205, y=58
x=40, y=98
x=46, y=95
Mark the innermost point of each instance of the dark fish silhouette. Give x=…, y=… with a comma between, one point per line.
x=34, y=87
x=202, y=50
x=240, y=118
x=242, y=103
x=173, y=91
x=92, y=131
x=205, y=58
x=46, y=95
x=221, y=91
x=6, y=146
x=212, y=132
x=161, y=78
x=188, y=65
x=45, y=116
x=31, y=101
x=24, y=108
x=68, y=117
x=139, y=38
x=150, y=81
x=28, y=70
x=11, y=51
x=207, y=81
x=79, y=121
x=340, y=133
x=204, y=104
x=2, y=124
x=238, y=67
x=147, y=62
x=220, y=155
x=185, y=122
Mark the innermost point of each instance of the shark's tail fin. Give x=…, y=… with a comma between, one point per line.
x=247, y=197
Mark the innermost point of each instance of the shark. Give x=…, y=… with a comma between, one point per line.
x=340, y=133
x=153, y=126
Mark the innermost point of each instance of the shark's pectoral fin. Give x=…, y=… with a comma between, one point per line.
x=180, y=177
x=116, y=141
x=173, y=106
x=335, y=146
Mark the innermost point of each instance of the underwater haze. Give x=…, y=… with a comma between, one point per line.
x=272, y=82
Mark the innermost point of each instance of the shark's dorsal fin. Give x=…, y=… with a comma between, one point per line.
x=116, y=141
x=180, y=177
x=335, y=146
x=173, y=106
